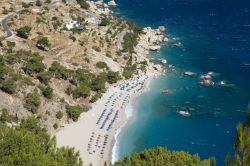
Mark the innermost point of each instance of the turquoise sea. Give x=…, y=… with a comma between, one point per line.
x=214, y=36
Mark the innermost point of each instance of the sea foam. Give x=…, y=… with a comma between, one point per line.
x=115, y=150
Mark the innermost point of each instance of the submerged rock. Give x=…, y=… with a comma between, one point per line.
x=189, y=73
x=167, y=91
x=207, y=82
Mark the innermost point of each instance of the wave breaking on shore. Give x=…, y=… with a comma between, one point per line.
x=115, y=150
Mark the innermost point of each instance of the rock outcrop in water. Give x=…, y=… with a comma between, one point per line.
x=112, y=3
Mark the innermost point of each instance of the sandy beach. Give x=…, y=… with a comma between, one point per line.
x=93, y=134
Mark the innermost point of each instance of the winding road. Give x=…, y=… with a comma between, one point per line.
x=120, y=39
x=4, y=23
x=6, y=28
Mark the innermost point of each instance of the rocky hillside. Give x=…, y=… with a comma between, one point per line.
x=59, y=56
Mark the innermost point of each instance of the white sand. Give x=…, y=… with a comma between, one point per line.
x=78, y=134
x=83, y=135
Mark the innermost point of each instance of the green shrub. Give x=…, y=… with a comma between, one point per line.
x=95, y=98
x=3, y=71
x=55, y=126
x=102, y=65
x=127, y=73
x=26, y=5
x=8, y=86
x=4, y=117
x=83, y=77
x=96, y=48
x=162, y=156
x=59, y=115
x=81, y=91
x=113, y=77
x=24, y=32
x=40, y=20
x=43, y=43
x=34, y=64
x=10, y=44
x=98, y=84
x=59, y=71
x=104, y=22
x=47, y=92
x=32, y=101
x=56, y=24
x=74, y=112
x=44, y=77
x=130, y=40
x=28, y=144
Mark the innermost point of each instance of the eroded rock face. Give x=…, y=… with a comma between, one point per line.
x=14, y=105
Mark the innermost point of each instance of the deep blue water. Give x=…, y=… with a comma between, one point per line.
x=215, y=36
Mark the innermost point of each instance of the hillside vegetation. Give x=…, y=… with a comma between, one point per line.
x=47, y=67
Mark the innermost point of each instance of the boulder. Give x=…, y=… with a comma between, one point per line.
x=112, y=3
x=105, y=5
x=164, y=61
x=154, y=48
x=162, y=28
x=165, y=39
x=158, y=67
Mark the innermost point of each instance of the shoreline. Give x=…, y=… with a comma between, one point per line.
x=96, y=132
x=114, y=154
x=80, y=133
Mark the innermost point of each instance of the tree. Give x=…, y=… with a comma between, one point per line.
x=127, y=73
x=241, y=145
x=130, y=40
x=99, y=83
x=47, y=92
x=24, y=32
x=32, y=101
x=43, y=43
x=113, y=77
x=161, y=156
x=60, y=71
x=74, y=112
x=81, y=91
x=28, y=144
x=44, y=77
x=34, y=64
